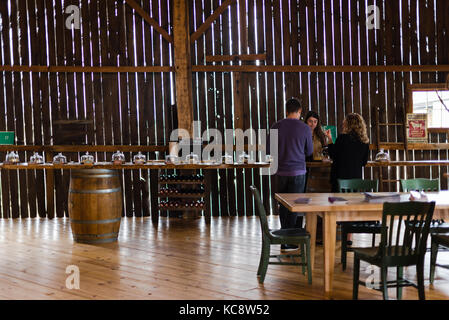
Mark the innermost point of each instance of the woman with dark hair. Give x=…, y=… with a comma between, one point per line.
x=350, y=152
x=320, y=138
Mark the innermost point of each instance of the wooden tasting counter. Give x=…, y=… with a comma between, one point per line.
x=131, y=166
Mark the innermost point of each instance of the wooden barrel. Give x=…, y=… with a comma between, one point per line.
x=318, y=180
x=95, y=205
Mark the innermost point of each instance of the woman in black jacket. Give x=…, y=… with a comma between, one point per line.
x=350, y=152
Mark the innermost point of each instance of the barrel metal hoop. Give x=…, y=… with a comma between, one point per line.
x=88, y=235
x=95, y=241
x=85, y=176
x=95, y=221
x=101, y=191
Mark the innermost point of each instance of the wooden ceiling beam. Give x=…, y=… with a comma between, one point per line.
x=322, y=68
x=241, y=57
x=150, y=20
x=206, y=25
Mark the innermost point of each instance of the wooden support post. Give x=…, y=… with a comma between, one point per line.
x=238, y=100
x=183, y=67
x=50, y=183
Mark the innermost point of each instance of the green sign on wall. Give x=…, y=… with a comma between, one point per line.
x=333, y=130
x=6, y=138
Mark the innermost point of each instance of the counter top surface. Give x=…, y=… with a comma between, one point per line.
x=131, y=166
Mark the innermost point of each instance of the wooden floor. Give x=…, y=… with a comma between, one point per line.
x=177, y=259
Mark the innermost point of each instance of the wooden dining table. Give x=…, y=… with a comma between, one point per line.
x=355, y=209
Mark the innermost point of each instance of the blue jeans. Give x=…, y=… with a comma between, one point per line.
x=295, y=184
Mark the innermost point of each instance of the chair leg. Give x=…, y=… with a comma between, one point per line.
x=303, y=257
x=373, y=243
x=309, y=265
x=356, y=277
x=265, y=261
x=400, y=274
x=420, y=276
x=433, y=260
x=261, y=258
x=383, y=273
x=344, y=247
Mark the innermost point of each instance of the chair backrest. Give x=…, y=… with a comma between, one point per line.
x=261, y=210
x=401, y=224
x=358, y=185
x=420, y=184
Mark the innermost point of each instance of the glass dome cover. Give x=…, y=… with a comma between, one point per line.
x=36, y=159
x=118, y=157
x=244, y=158
x=382, y=156
x=12, y=158
x=87, y=158
x=140, y=158
x=192, y=158
x=227, y=159
x=171, y=159
x=59, y=159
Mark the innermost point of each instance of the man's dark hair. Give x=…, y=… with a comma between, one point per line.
x=293, y=105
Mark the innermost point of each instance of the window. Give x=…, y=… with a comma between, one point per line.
x=433, y=100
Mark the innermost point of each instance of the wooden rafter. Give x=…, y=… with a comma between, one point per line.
x=242, y=57
x=211, y=19
x=150, y=20
x=322, y=68
x=104, y=69
x=244, y=68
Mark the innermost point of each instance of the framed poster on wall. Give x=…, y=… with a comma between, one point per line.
x=417, y=128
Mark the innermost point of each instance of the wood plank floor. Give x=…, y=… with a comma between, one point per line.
x=177, y=259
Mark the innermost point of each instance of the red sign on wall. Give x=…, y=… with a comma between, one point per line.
x=417, y=128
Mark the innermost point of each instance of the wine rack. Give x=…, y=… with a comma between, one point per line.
x=183, y=193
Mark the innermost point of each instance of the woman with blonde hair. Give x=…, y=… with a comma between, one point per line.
x=350, y=152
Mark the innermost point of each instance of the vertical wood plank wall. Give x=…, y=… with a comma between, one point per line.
x=132, y=108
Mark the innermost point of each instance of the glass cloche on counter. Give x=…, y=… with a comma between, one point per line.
x=244, y=158
x=87, y=159
x=118, y=158
x=59, y=159
x=269, y=158
x=192, y=158
x=36, y=158
x=12, y=158
x=227, y=159
x=382, y=156
x=140, y=158
x=171, y=159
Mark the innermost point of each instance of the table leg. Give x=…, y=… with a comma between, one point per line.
x=330, y=235
x=311, y=219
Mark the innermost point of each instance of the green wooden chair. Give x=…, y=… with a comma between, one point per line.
x=420, y=184
x=438, y=240
x=373, y=227
x=281, y=236
x=392, y=252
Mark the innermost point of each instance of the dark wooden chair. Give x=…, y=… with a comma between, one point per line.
x=409, y=222
x=438, y=240
x=282, y=236
x=373, y=227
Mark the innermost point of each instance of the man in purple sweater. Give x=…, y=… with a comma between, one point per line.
x=295, y=143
